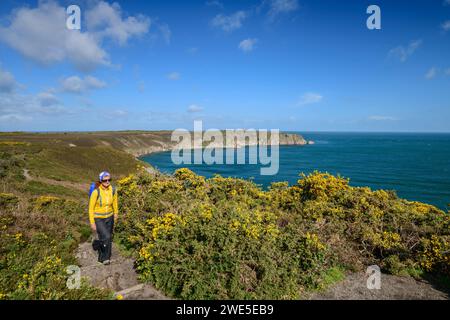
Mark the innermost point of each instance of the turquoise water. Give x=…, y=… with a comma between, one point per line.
x=416, y=166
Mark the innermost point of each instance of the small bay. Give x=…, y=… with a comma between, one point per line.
x=415, y=165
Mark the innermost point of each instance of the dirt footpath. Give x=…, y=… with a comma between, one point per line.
x=119, y=276
x=354, y=287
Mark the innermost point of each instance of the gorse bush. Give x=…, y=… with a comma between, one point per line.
x=226, y=238
x=37, y=241
x=11, y=166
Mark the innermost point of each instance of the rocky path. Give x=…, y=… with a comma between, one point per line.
x=354, y=287
x=119, y=276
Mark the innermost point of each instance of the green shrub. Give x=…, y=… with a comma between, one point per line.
x=8, y=201
x=226, y=238
x=40, y=188
x=37, y=243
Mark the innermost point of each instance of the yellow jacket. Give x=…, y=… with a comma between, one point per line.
x=102, y=203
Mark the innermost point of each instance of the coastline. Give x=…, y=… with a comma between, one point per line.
x=377, y=161
x=310, y=142
x=163, y=146
x=136, y=143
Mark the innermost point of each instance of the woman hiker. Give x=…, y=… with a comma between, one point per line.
x=103, y=213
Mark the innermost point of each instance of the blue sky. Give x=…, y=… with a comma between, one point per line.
x=299, y=65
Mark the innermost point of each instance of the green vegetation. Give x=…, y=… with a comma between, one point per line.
x=198, y=238
x=39, y=188
x=61, y=163
x=43, y=217
x=226, y=238
x=37, y=245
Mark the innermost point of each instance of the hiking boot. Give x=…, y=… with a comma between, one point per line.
x=106, y=262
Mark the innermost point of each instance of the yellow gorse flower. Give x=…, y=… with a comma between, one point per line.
x=435, y=251
x=126, y=180
x=163, y=225
x=44, y=201
x=313, y=240
x=385, y=240
x=255, y=224
x=14, y=143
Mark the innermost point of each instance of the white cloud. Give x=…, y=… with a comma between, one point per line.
x=7, y=82
x=382, y=118
x=113, y=114
x=278, y=7
x=247, y=45
x=165, y=32
x=431, y=73
x=93, y=83
x=18, y=107
x=194, y=108
x=214, y=3
x=14, y=118
x=23, y=107
x=310, y=98
x=229, y=23
x=446, y=25
x=403, y=53
x=174, y=76
x=40, y=33
x=47, y=99
x=75, y=84
x=119, y=113
x=106, y=21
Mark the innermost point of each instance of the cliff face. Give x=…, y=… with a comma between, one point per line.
x=142, y=144
x=292, y=139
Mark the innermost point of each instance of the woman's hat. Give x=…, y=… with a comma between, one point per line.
x=103, y=174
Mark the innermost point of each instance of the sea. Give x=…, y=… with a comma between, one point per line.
x=415, y=165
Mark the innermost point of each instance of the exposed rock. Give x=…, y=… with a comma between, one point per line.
x=119, y=276
x=26, y=174
x=354, y=287
x=145, y=144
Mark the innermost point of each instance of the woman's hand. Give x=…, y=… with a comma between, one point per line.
x=93, y=227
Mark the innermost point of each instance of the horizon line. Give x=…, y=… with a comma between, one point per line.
x=285, y=131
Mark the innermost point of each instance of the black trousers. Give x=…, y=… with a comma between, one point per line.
x=105, y=232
